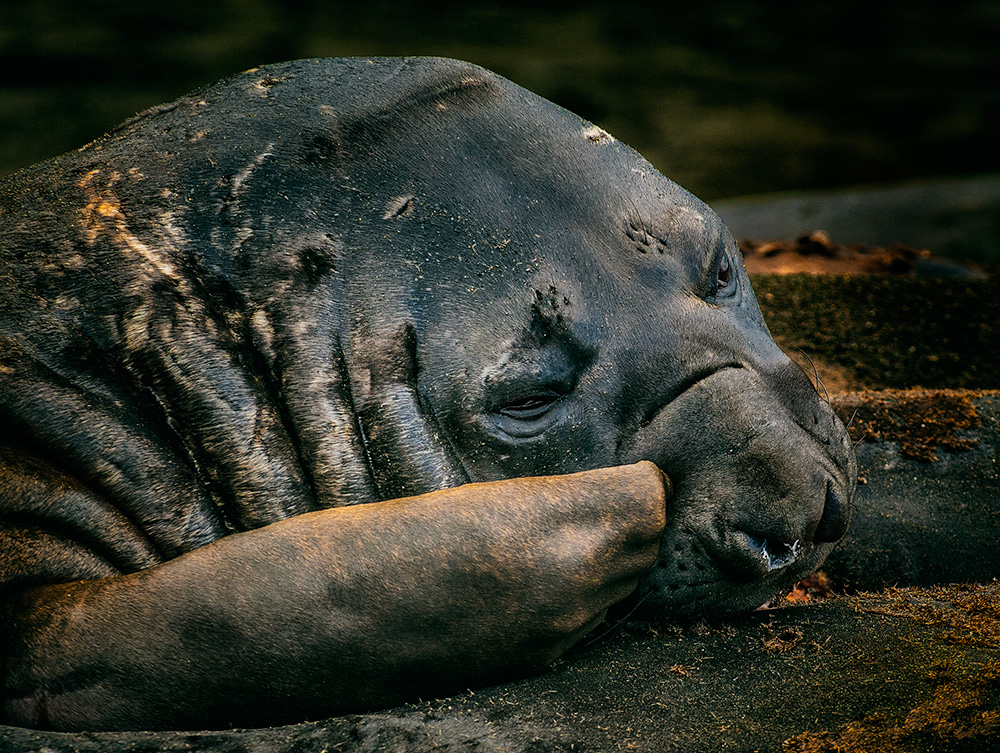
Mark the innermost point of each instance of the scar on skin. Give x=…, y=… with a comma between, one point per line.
x=595, y=134
x=398, y=206
x=243, y=175
x=263, y=85
x=263, y=334
x=103, y=214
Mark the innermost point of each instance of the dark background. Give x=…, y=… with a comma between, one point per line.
x=726, y=98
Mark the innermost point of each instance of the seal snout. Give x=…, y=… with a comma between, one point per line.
x=755, y=550
x=834, y=521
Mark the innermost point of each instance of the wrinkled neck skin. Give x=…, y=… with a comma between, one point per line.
x=476, y=286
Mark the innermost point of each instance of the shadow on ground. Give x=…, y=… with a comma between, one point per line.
x=905, y=670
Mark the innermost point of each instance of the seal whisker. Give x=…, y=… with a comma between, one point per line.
x=614, y=627
x=815, y=374
x=850, y=421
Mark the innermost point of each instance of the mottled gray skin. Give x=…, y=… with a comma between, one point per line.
x=335, y=282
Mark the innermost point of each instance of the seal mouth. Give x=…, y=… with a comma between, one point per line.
x=695, y=379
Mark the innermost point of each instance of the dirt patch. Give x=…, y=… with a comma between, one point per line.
x=970, y=612
x=963, y=711
x=815, y=253
x=920, y=420
x=780, y=640
x=962, y=715
x=814, y=587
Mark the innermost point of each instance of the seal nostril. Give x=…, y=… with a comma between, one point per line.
x=774, y=554
x=834, y=521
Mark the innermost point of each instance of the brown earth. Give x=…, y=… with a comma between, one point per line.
x=815, y=253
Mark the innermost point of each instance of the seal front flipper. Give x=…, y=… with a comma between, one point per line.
x=337, y=610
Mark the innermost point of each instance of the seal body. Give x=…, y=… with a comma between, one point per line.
x=331, y=283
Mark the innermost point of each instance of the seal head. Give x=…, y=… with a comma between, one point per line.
x=332, y=282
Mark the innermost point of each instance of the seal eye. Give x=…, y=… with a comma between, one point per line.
x=528, y=408
x=528, y=392
x=725, y=277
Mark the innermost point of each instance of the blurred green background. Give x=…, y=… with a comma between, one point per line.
x=726, y=98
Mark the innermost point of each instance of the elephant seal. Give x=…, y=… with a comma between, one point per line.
x=343, y=382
